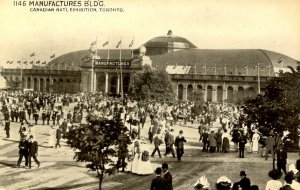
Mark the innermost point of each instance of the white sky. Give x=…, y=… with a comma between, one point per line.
x=209, y=24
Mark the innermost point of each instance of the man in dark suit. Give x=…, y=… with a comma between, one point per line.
x=169, y=143
x=281, y=158
x=7, y=128
x=242, y=143
x=59, y=134
x=23, y=152
x=33, y=151
x=167, y=177
x=44, y=117
x=243, y=184
x=157, y=142
x=179, y=144
x=158, y=182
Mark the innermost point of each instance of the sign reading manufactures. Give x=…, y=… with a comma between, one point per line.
x=112, y=63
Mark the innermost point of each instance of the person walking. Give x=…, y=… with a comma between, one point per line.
x=59, y=133
x=23, y=151
x=169, y=143
x=32, y=151
x=179, y=144
x=281, y=159
x=36, y=116
x=158, y=182
x=157, y=142
x=255, y=140
x=219, y=140
x=44, y=117
x=205, y=136
x=212, y=142
x=168, y=182
x=270, y=142
x=7, y=128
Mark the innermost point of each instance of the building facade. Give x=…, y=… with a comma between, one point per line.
x=217, y=75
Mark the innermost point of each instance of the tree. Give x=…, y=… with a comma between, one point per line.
x=151, y=83
x=99, y=142
x=14, y=84
x=278, y=109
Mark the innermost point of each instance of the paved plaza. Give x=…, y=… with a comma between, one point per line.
x=58, y=170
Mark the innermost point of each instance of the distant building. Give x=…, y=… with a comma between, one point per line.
x=218, y=75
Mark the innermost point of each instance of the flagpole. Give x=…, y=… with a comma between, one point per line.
x=121, y=70
x=132, y=47
x=108, y=50
x=258, y=78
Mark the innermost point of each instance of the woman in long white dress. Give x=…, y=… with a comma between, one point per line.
x=141, y=164
x=255, y=139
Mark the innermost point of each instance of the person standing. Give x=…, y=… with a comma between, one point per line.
x=242, y=143
x=179, y=144
x=281, y=159
x=212, y=142
x=32, y=151
x=23, y=151
x=44, y=117
x=255, y=140
x=168, y=182
x=169, y=143
x=59, y=133
x=36, y=116
x=157, y=142
x=274, y=183
x=270, y=142
x=158, y=182
x=7, y=128
x=225, y=143
x=205, y=136
x=219, y=140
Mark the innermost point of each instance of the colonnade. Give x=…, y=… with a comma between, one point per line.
x=230, y=93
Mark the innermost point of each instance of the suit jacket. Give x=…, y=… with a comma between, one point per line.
x=168, y=181
x=33, y=148
x=157, y=183
x=179, y=141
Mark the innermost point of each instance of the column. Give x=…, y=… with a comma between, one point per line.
x=204, y=91
x=45, y=84
x=184, y=95
x=106, y=82
x=32, y=82
x=235, y=94
x=95, y=82
x=214, y=93
x=224, y=98
x=118, y=84
x=25, y=83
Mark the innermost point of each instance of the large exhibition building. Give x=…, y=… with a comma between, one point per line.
x=221, y=75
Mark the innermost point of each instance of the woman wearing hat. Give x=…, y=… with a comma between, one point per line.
x=274, y=183
x=255, y=139
x=223, y=183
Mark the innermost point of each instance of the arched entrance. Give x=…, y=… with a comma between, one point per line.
x=230, y=94
x=41, y=85
x=189, y=92
x=47, y=85
x=180, y=92
x=28, y=83
x=220, y=94
x=113, y=84
x=35, y=84
x=126, y=82
x=241, y=95
x=251, y=92
x=209, y=93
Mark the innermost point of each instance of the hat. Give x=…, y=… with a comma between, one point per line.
x=243, y=173
x=202, y=183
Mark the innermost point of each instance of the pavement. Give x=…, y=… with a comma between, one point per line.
x=59, y=169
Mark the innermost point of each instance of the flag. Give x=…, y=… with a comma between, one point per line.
x=246, y=67
x=25, y=62
x=119, y=43
x=31, y=62
x=18, y=61
x=131, y=43
x=38, y=62
x=280, y=60
x=44, y=63
x=33, y=54
x=105, y=43
x=11, y=62
x=52, y=56
x=93, y=47
x=7, y=61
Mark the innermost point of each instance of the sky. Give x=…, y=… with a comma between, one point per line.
x=209, y=24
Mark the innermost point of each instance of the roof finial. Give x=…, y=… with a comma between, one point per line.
x=170, y=33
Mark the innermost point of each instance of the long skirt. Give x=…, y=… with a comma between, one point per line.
x=226, y=145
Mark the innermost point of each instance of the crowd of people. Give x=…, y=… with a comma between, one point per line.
x=33, y=108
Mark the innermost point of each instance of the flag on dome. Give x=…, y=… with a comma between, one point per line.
x=52, y=56
x=33, y=54
x=38, y=62
x=119, y=43
x=131, y=43
x=44, y=63
x=25, y=62
x=93, y=43
x=105, y=43
x=18, y=61
x=7, y=61
x=31, y=62
x=93, y=47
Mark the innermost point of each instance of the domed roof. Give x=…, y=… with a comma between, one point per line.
x=170, y=42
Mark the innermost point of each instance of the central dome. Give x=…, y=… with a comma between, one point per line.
x=166, y=44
